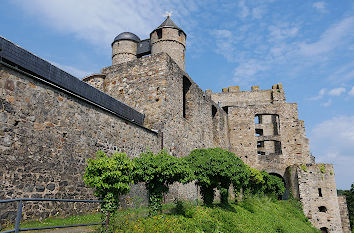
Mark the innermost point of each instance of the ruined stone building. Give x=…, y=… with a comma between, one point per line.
x=52, y=122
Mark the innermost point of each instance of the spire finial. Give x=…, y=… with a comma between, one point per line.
x=167, y=14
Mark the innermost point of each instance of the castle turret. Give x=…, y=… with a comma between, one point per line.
x=124, y=47
x=170, y=39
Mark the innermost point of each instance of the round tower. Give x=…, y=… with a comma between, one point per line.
x=124, y=47
x=170, y=39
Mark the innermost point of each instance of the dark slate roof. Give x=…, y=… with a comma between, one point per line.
x=127, y=36
x=168, y=23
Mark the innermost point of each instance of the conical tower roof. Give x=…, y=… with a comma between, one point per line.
x=168, y=23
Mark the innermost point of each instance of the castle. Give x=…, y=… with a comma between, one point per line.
x=51, y=122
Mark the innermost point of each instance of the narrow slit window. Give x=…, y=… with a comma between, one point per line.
x=319, y=192
x=214, y=110
x=159, y=33
x=258, y=119
x=186, y=86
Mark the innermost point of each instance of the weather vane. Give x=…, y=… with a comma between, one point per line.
x=168, y=14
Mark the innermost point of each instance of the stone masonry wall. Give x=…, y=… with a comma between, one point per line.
x=154, y=86
x=265, y=131
x=318, y=195
x=46, y=137
x=342, y=201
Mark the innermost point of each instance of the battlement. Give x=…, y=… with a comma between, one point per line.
x=233, y=96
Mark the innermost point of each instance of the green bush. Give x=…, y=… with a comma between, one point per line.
x=110, y=176
x=256, y=182
x=158, y=171
x=273, y=185
x=261, y=182
x=217, y=168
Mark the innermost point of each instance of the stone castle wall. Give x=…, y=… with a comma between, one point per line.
x=265, y=131
x=46, y=137
x=173, y=104
x=342, y=201
x=316, y=189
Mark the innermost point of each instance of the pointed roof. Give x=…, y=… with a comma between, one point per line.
x=168, y=23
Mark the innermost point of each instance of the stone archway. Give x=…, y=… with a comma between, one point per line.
x=285, y=196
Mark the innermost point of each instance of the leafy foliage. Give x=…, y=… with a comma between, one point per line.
x=261, y=182
x=158, y=171
x=256, y=182
x=273, y=185
x=217, y=168
x=110, y=176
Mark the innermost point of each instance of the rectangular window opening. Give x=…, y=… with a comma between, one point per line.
x=159, y=33
x=258, y=119
x=214, y=110
x=259, y=132
x=277, y=146
x=186, y=86
x=319, y=192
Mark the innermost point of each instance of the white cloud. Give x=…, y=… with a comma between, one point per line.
x=330, y=39
x=320, y=95
x=332, y=142
x=73, y=70
x=338, y=131
x=224, y=43
x=343, y=73
x=258, y=12
x=327, y=104
x=320, y=6
x=351, y=92
x=337, y=91
x=244, y=10
x=282, y=32
x=245, y=72
x=100, y=21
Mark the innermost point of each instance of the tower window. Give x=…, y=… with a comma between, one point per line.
x=226, y=109
x=186, y=86
x=319, y=192
x=159, y=33
x=260, y=144
x=322, y=209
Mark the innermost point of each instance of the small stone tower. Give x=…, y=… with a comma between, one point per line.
x=124, y=47
x=170, y=39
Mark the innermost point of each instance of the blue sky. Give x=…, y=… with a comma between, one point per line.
x=306, y=45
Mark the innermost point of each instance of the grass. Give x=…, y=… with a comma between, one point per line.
x=252, y=215
x=57, y=221
x=256, y=214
